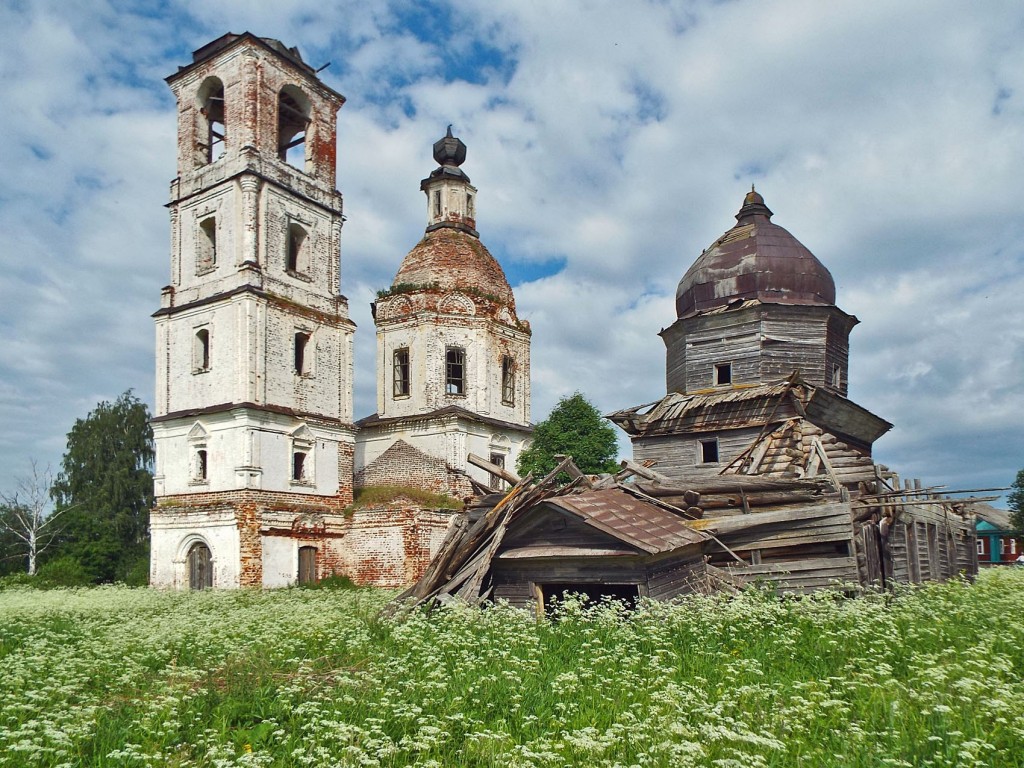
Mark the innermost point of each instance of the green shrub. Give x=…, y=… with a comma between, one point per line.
x=137, y=572
x=334, y=581
x=65, y=571
x=16, y=580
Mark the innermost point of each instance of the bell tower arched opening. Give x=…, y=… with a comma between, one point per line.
x=293, y=119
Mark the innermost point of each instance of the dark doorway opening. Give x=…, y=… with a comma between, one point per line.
x=624, y=593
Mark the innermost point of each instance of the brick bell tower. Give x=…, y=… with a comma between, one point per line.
x=253, y=418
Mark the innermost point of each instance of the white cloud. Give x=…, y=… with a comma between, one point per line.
x=886, y=136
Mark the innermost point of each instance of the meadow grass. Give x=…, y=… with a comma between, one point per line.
x=932, y=676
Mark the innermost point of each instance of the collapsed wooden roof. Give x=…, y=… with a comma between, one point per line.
x=753, y=405
x=460, y=568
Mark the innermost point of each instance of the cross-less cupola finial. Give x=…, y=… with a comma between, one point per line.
x=450, y=197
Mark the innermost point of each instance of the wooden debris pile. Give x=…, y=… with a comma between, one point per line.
x=460, y=567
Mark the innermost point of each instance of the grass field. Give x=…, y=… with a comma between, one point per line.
x=134, y=677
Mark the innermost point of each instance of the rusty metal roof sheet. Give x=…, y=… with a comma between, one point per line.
x=638, y=523
x=756, y=259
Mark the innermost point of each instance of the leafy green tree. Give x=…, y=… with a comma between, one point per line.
x=573, y=428
x=1015, y=501
x=105, y=485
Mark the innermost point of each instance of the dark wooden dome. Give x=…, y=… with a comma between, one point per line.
x=756, y=259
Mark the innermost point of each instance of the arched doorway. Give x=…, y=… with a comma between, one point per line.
x=200, y=568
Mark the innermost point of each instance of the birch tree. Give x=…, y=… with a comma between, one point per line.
x=28, y=516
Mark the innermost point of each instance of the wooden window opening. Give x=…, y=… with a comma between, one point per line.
x=709, y=451
x=723, y=373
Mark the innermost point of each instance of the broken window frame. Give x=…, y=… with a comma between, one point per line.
x=508, y=380
x=400, y=372
x=201, y=465
x=455, y=371
x=496, y=483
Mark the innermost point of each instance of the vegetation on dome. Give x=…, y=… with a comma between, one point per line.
x=400, y=288
x=380, y=495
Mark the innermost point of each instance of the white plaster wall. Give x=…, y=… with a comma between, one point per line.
x=172, y=534
x=245, y=448
x=280, y=561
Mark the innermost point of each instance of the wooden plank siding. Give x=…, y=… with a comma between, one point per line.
x=678, y=457
x=762, y=342
x=800, y=576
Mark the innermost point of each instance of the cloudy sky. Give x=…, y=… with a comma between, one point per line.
x=610, y=142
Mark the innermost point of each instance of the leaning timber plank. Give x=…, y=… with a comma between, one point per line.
x=795, y=539
x=733, y=483
x=799, y=568
x=805, y=512
x=494, y=469
x=758, y=499
x=645, y=472
x=430, y=579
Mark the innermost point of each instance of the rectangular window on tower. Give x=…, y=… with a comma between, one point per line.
x=206, y=245
x=401, y=372
x=455, y=371
x=201, y=351
x=199, y=467
x=297, y=258
x=303, y=352
x=723, y=373
x=837, y=376
x=299, y=466
x=508, y=380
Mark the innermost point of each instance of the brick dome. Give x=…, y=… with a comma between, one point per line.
x=756, y=259
x=449, y=259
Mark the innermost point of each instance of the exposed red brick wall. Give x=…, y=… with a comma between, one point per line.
x=386, y=547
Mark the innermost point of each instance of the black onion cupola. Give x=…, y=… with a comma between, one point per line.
x=754, y=307
x=450, y=197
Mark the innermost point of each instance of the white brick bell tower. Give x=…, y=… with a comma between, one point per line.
x=253, y=418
